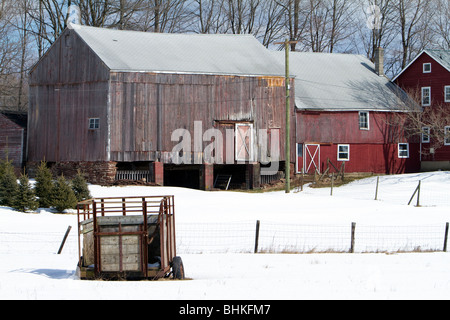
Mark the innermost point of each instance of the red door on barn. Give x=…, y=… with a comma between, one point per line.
x=311, y=158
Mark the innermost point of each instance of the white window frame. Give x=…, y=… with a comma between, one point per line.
x=447, y=131
x=447, y=93
x=401, y=150
x=343, y=152
x=368, y=120
x=425, y=135
x=429, y=96
x=94, y=123
x=424, y=67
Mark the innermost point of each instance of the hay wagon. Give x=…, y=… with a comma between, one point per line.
x=128, y=238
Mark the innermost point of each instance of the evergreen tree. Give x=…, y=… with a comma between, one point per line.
x=80, y=187
x=25, y=199
x=8, y=184
x=63, y=196
x=44, y=185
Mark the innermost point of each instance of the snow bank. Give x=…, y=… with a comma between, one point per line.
x=31, y=269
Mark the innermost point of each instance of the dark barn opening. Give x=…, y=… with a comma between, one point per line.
x=186, y=176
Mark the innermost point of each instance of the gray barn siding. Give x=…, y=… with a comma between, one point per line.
x=139, y=100
x=138, y=111
x=68, y=86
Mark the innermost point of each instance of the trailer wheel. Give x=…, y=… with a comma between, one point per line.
x=178, y=268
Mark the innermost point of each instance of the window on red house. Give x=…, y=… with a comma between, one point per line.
x=364, y=120
x=426, y=96
x=403, y=150
x=447, y=93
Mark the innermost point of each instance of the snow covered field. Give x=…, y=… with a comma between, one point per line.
x=31, y=269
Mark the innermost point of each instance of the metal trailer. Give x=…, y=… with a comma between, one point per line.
x=128, y=238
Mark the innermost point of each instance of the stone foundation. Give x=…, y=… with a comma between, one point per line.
x=102, y=173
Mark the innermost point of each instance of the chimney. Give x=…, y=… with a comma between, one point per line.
x=379, y=61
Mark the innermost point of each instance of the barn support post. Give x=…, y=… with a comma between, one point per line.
x=158, y=173
x=206, y=177
x=253, y=176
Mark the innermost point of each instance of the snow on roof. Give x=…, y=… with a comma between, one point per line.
x=180, y=53
x=340, y=82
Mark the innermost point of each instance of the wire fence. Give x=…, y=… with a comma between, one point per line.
x=259, y=237
x=427, y=192
x=271, y=237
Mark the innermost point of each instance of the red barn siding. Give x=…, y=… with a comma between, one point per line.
x=374, y=150
x=413, y=78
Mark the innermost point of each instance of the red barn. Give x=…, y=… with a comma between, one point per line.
x=347, y=115
x=429, y=75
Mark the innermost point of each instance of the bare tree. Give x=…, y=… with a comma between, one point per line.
x=428, y=123
x=242, y=15
x=413, y=25
x=442, y=23
x=270, y=23
x=208, y=15
x=95, y=13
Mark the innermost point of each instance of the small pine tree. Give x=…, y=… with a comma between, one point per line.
x=80, y=187
x=63, y=196
x=25, y=199
x=44, y=185
x=8, y=184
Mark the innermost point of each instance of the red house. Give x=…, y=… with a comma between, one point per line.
x=429, y=75
x=347, y=115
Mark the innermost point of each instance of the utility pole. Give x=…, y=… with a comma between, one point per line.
x=287, y=166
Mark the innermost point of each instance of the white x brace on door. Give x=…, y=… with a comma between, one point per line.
x=244, y=142
x=312, y=158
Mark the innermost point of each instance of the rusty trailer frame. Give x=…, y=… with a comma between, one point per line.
x=127, y=238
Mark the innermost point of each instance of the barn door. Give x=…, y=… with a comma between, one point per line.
x=312, y=158
x=244, y=142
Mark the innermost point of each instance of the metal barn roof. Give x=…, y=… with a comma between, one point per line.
x=340, y=82
x=180, y=53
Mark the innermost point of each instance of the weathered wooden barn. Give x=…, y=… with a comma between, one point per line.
x=13, y=132
x=348, y=116
x=125, y=104
x=428, y=77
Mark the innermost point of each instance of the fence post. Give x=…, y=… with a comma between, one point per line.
x=352, y=243
x=418, y=194
x=258, y=224
x=64, y=239
x=446, y=237
x=412, y=197
x=376, y=190
x=332, y=184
